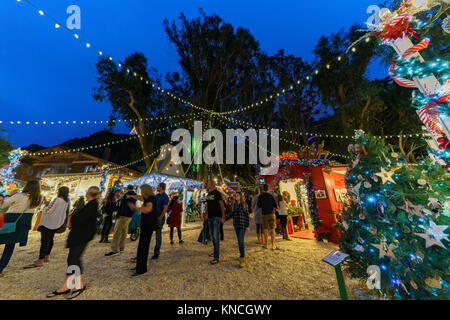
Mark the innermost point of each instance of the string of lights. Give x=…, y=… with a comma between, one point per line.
x=320, y=135
x=287, y=141
x=88, y=122
x=153, y=153
x=102, y=145
x=100, y=52
x=296, y=83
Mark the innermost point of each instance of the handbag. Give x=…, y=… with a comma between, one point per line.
x=2, y=218
x=10, y=227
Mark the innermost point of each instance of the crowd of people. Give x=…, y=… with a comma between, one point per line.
x=57, y=215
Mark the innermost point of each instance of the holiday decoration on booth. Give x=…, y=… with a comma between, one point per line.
x=7, y=173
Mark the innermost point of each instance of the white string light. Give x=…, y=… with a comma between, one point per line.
x=83, y=122
x=100, y=52
x=108, y=143
x=321, y=135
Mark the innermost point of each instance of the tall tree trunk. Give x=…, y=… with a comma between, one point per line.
x=140, y=130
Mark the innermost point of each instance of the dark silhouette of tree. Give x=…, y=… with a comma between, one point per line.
x=131, y=97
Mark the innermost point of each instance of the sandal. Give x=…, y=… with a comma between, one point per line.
x=56, y=293
x=33, y=265
x=77, y=292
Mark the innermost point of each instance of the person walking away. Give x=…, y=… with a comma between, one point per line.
x=268, y=206
x=283, y=213
x=257, y=216
x=162, y=203
x=108, y=208
x=20, y=209
x=124, y=215
x=215, y=211
x=174, y=219
x=149, y=223
x=83, y=227
x=241, y=222
x=54, y=217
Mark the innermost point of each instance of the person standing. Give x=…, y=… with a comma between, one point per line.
x=20, y=209
x=108, y=208
x=124, y=215
x=82, y=230
x=241, y=222
x=174, y=219
x=54, y=216
x=149, y=223
x=283, y=213
x=268, y=206
x=257, y=216
x=215, y=211
x=162, y=203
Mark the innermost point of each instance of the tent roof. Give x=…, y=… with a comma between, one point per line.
x=154, y=179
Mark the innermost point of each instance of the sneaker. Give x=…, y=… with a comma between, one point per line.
x=155, y=256
x=106, y=241
x=214, y=261
x=112, y=254
x=181, y=242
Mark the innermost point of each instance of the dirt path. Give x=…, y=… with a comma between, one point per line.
x=182, y=271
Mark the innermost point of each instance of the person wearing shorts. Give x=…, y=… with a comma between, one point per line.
x=257, y=216
x=268, y=205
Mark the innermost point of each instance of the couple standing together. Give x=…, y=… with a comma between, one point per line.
x=153, y=212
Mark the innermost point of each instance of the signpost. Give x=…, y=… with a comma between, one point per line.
x=335, y=259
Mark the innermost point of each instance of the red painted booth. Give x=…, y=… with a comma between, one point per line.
x=327, y=187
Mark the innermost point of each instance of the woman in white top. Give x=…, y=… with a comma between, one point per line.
x=282, y=211
x=21, y=207
x=53, y=217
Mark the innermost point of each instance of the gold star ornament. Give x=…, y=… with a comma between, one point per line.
x=386, y=175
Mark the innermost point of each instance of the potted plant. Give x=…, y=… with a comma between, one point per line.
x=324, y=236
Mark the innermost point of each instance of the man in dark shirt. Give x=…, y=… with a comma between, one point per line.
x=268, y=206
x=162, y=202
x=215, y=212
x=124, y=215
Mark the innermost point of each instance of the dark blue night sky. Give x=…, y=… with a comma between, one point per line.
x=46, y=74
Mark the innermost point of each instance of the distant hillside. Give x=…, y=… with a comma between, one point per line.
x=121, y=153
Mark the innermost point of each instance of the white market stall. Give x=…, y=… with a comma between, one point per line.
x=165, y=170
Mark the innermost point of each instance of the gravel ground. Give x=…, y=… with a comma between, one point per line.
x=293, y=272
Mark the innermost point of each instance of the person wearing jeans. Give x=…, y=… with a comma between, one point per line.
x=162, y=203
x=241, y=222
x=215, y=211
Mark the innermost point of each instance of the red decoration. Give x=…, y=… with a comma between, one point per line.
x=443, y=143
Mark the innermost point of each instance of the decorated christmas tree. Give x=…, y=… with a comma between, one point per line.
x=397, y=220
